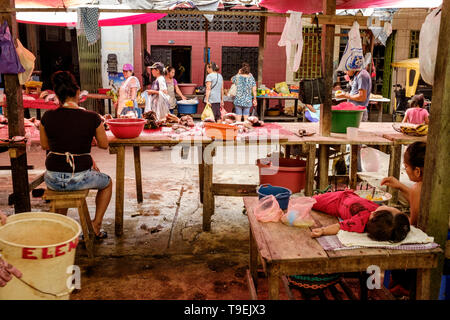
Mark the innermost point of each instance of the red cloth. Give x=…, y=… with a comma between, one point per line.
x=354, y=210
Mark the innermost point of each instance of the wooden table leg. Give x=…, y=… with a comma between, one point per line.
x=253, y=263
x=394, y=169
x=263, y=109
x=208, y=195
x=274, y=283
x=323, y=166
x=310, y=162
x=380, y=111
x=423, y=284
x=353, y=166
x=296, y=110
x=200, y=171
x=138, y=173
x=120, y=181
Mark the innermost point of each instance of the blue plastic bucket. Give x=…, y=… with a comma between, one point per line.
x=187, y=108
x=281, y=194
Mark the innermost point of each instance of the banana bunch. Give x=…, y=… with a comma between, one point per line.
x=34, y=84
x=420, y=130
x=113, y=94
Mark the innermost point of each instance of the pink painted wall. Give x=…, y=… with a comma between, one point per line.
x=274, y=69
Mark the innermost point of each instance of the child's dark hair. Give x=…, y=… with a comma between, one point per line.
x=168, y=69
x=385, y=226
x=245, y=68
x=415, y=154
x=64, y=85
x=417, y=101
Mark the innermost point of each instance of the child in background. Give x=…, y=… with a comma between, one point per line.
x=382, y=223
x=414, y=161
x=415, y=113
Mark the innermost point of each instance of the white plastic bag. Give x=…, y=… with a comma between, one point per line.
x=299, y=212
x=353, y=57
x=428, y=42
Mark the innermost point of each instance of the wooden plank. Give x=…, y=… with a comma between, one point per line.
x=274, y=282
x=251, y=286
x=423, y=284
x=354, y=166
x=253, y=258
x=143, y=29
x=310, y=164
x=234, y=190
x=36, y=182
x=208, y=196
x=200, y=151
x=285, y=282
x=120, y=187
x=394, y=170
x=435, y=202
x=323, y=166
x=327, y=51
x=261, y=47
x=138, y=173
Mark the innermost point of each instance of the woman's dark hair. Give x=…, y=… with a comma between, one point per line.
x=385, y=226
x=168, y=69
x=415, y=154
x=213, y=66
x=64, y=85
x=245, y=68
x=417, y=100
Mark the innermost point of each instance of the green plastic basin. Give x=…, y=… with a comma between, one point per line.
x=341, y=119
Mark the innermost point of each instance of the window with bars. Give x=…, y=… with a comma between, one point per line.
x=414, y=44
x=232, y=58
x=310, y=66
x=220, y=23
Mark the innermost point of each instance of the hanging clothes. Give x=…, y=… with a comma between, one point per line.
x=88, y=23
x=293, y=35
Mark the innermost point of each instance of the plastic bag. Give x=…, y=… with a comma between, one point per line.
x=268, y=209
x=27, y=60
x=428, y=41
x=233, y=90
x=353, y=58
x=282, y=87
x=299, y=212
x=9, y=61
x=207, y=112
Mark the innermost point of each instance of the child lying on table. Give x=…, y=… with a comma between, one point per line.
x=382, y=223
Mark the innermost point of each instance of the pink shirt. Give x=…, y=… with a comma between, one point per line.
x=416, y=115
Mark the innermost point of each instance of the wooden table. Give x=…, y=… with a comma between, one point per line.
x=99, y=96
x=291, y=251
x=265, y=103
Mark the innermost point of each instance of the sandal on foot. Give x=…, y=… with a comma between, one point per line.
x=101, y=235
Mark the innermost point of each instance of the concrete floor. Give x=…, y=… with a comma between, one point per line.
x=163, y=254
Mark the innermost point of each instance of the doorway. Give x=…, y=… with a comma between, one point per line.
x=174, y=56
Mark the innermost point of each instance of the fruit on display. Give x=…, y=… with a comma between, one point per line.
x=273, y=93
x=420, y=130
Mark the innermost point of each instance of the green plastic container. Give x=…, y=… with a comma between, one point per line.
x=341, y=119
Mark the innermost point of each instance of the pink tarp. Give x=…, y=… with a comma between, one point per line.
x=312, y=6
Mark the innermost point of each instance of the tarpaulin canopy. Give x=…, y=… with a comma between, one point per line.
x=70, y=18
x=312, y=6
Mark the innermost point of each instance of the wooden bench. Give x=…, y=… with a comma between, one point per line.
x=74, y=199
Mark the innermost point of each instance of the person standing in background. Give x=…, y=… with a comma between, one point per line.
x=214, y=89
x=245, y=91
x=128, y=91
x=181, y=73
x=172, y=87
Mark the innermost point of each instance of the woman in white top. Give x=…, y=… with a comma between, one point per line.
x=127, y=91
x=158, y=101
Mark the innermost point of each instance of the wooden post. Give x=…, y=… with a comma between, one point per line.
x=435, y=203
x=329, y=8
x=143, y=46
x=262, y=47
x=16, y=127
x=205, y=51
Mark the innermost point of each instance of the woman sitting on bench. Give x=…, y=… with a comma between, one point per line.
x=67, y=134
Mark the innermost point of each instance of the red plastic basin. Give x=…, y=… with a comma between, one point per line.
x=187, y=88
x=126, y=128
x=287, y=173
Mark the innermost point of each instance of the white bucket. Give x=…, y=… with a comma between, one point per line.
x=42, y=246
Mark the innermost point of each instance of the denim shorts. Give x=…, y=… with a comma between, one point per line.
x=63, y=181
x=242, y=111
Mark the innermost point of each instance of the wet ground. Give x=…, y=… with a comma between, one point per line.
x=163, y=253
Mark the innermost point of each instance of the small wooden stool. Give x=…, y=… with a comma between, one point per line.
x=74, y=199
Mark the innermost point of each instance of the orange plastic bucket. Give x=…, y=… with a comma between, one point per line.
x=220, y=131
x=287, y=173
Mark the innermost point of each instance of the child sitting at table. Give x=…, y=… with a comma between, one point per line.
x=415, y=113
x=382, y=223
